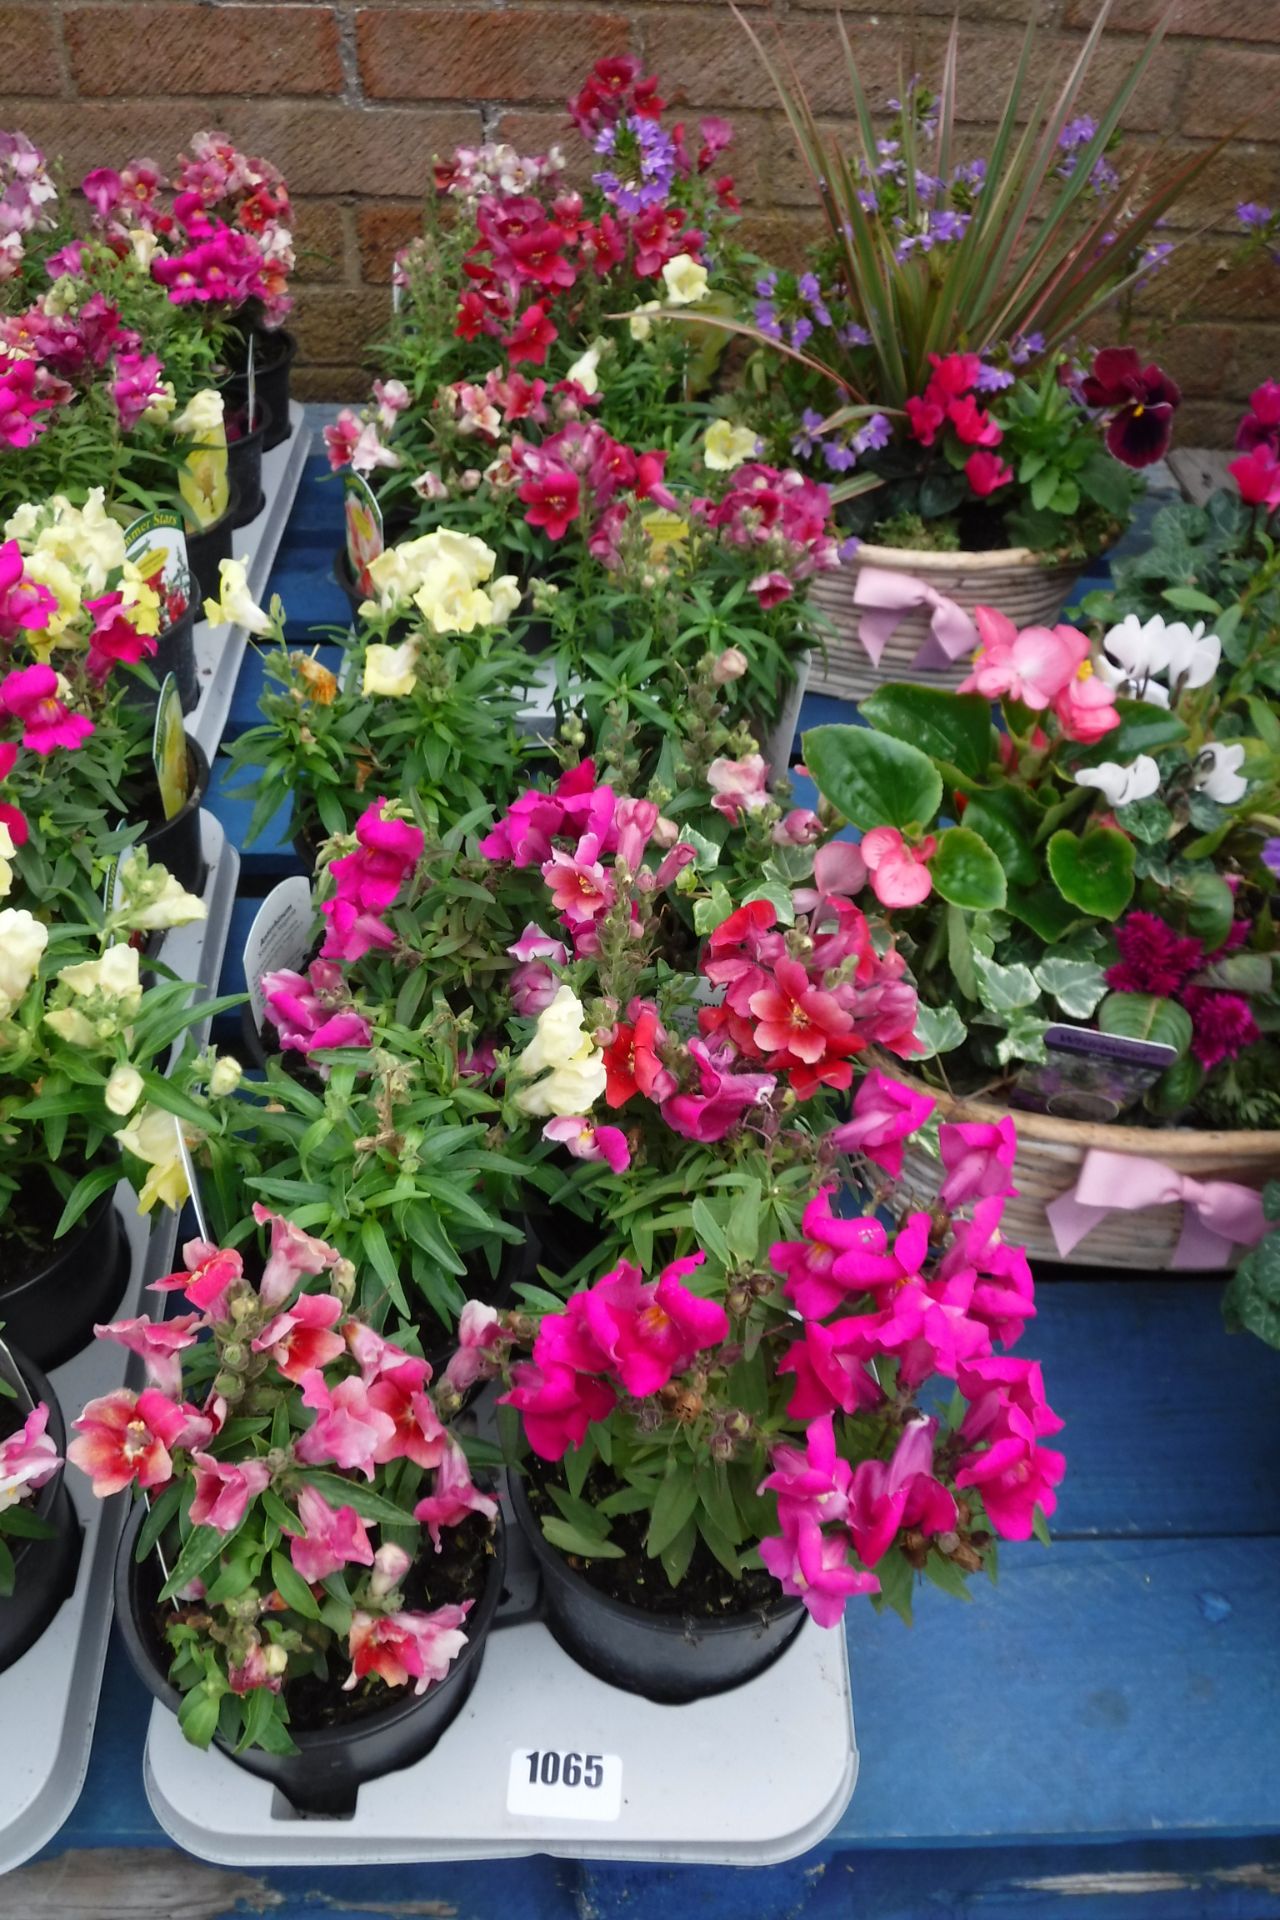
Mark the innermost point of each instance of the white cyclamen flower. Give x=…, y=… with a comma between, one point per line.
x=1123, y=785
x=1217, y=773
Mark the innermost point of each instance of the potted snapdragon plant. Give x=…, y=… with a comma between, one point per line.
x=930, y=353
x=277, y=1432
x=1073, y=851
x=39, y=1535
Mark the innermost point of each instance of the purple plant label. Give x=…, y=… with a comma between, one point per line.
x=1090, y=1075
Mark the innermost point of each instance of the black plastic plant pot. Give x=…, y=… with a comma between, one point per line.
x=244, y=462
x=669, y=1658
x=207, y=549
x=322, y=1780
x=175, y=843
x=273, y=356
x=175, y=654
x=44, y=1570
x=51, y=1312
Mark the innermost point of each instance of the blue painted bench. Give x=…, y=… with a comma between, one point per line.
x=1096, y=1736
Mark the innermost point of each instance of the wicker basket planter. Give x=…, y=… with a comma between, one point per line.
x=1020, y=583
x=1051, y=1152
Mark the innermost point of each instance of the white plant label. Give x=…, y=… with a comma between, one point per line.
x=554, y=1783
x=279, y=937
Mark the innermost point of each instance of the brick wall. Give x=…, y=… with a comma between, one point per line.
x=352, y=100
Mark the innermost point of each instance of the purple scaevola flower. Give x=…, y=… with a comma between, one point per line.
x=806, y=441
x=854, y=336
x=800, y=331
x=1251, y=214
x=947, y=225
x=992, y=379
x=1271, y=856
x=648, y=159
x=876, y=433
x=838, y=456
x=810, y=292
x=1024, y=347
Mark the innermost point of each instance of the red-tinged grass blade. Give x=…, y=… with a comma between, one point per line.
x=688, y=316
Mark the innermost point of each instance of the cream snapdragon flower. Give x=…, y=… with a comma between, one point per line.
x=725, y=446
x=235, y=606
x=153, y=1138
x=23, y=940
x=389, y=671
x=571, y=1065
x=685, y=280
x=152, y=900
x=123, y=1091
x=114, y=975
x=7, y=851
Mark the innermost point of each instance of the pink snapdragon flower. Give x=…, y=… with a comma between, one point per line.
x=126, y=1438
x=899, y=873
x=1013, y=1474
x=479, y=1332
x=387, y=851
x=30, y=695
x=812, y=1267
x=1001, y=1290
x=341, y=439
x=302, y=1338
x=416, y=1431
x=815, y=1481
x=300, y=1007
x=586, y=1141
x=724, y=1096
x=114, y=640
x=335, y=1537
x=648, y=1333
x=996, y=1381
x=576, y=806
x=138, y=384
x=25, y=605
x=453, y=1497
x=21, y=401
x=901, y=1492
x=885, y=1113
x=814, y=1566
x=533, y=985
x=292, y=1255
x=253, y=1672
x=224, y=1489
x=210, y=1274
x=581, y=890
x=978, y=1156
x=739, y=786
x=1032, y=666
x=399, y=1647
x=158, y=1343
x=348, y=1430
x=28, y=1459
x=557, y=1405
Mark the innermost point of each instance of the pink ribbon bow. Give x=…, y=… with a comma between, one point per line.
x=887, y=597
x=1217, y=1215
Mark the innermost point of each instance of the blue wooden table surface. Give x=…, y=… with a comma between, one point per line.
x=1096, y=1736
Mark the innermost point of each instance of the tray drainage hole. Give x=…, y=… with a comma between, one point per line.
x=284, y=1809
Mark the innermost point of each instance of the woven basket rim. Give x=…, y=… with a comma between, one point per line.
x=994, y=560
x=1178, y=1143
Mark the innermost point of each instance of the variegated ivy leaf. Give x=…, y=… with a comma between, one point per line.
x=1023, y=1039
x=708, y=913
x=779, y=898
x=939, y=1029
x=1076, y=985
x=1004, y=989
x=707, y=851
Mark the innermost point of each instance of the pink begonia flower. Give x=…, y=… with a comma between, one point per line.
x=557, y=1404
x=211, y=1272
x=1002, y=1292
x=159, y=1342
x=815, y=1481
x=224, y=1489
x=293, y=1253
x=453, y=1497
x=771, y=589
x=399, y=1647
x=839, y=871
x=1032, y=666
x=533, y=984
x=885, y=1113
x=814, y=1566
x=648, y=1333
x=1013, y=1475
x=479, y=1331
x=25, y=605
x=739, y=786
x=900, y=1492
x=994, y=1381
x=302, y=1338
x=28, y=1459
x=724, y=1097
x=348, y=1431
x=1086, y=706
x=581, y=890
x=335, y=1537
x=253, y=1672
x=30, y=695
x=978, y=1156
x=899, y=874
x=127, y=1437
x=586, y=1141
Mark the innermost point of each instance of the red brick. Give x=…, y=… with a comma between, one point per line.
x=1211, y=19
x=1207, y=423
x=315, y=381
x=382, y=230
x=1204, y=280
x=31, y=36
x=781, y=239
x=472, y=54
x=1200, y=356
x=1233, y=90
x=204, y=50
x=322, y=148
x=336, y=324
x=1241, y=171
x=322, y=230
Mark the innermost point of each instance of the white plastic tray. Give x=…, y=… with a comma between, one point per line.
x=49, y=1699
x=219, y=650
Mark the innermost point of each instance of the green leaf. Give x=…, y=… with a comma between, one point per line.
x=677, y=1554
x=292, y=1588
x=946, y=1574
x=198, y=1714
x=871, y=778
x=1143, y=729
x=673, y=1509
x=1094, y=873
x=1146, y=1016
x=353, y=1493
x=587, y=1546
x=1044, y=910
x=1207, y=905
x=1007, y=823
x=897, y=1583
x=966, y=872
x=939, y=1029
x=1023, y=1038
x=202, y=1546
x=1251, y=1302
x=1076, y=985
x=710, y=1233
x=1004, y=989
x=953, y=727
x=1191, y=600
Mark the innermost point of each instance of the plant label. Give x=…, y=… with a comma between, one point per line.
x=555, y=1783
x=279, y=937
x=157, y=546
x=1088, y=1075
x=365, y=539
x=169, y=749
